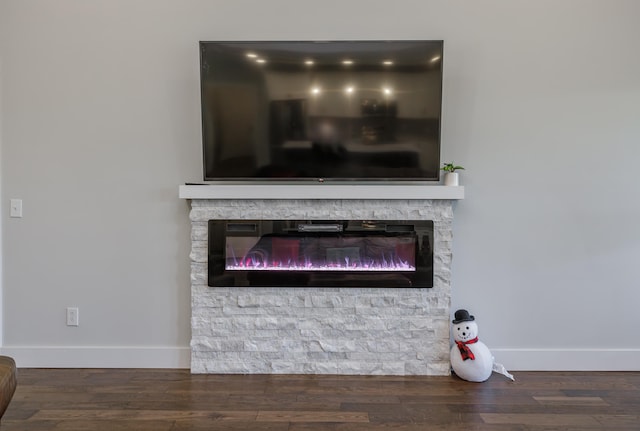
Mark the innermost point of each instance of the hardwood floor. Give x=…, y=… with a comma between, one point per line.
x=174, y=400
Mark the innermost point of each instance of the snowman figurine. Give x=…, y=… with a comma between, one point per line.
x=471, y=359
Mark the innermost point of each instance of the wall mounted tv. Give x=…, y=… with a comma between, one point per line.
x=339, y=110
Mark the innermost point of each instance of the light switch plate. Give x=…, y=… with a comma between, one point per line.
x=16, y=208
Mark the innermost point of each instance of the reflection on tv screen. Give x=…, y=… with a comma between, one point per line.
x=332, y=110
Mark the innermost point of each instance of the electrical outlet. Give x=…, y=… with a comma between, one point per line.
x=73, y=317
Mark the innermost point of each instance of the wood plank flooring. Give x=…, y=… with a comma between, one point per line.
x=174, y=400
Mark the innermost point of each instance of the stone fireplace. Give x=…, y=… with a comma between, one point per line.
x=321, y=330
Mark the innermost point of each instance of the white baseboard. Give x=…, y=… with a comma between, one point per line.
x=568, y=359
x=98, y=356
x=180, y=357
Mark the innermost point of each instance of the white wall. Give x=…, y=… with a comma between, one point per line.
x=100, y=124
x=1, y=208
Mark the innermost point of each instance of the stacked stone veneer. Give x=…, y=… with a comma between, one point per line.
x=308, y=330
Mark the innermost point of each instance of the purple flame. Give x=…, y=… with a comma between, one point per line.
x=257, y=262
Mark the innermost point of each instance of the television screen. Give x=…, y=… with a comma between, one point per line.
x=343, y=110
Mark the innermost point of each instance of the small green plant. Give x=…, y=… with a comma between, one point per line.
x=450, y=167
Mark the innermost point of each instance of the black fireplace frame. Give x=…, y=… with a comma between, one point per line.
x=421, y=233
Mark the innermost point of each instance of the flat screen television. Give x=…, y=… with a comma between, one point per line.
x=321, y=111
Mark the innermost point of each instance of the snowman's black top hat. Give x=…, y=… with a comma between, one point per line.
x=463, y=316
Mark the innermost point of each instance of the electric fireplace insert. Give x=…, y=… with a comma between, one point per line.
x=314, y=253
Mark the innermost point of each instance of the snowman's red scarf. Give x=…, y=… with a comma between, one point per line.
x=466, y=351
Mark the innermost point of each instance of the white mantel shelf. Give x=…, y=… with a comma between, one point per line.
x=320, y=191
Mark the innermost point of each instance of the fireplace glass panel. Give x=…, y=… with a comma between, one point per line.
x=320, y=253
